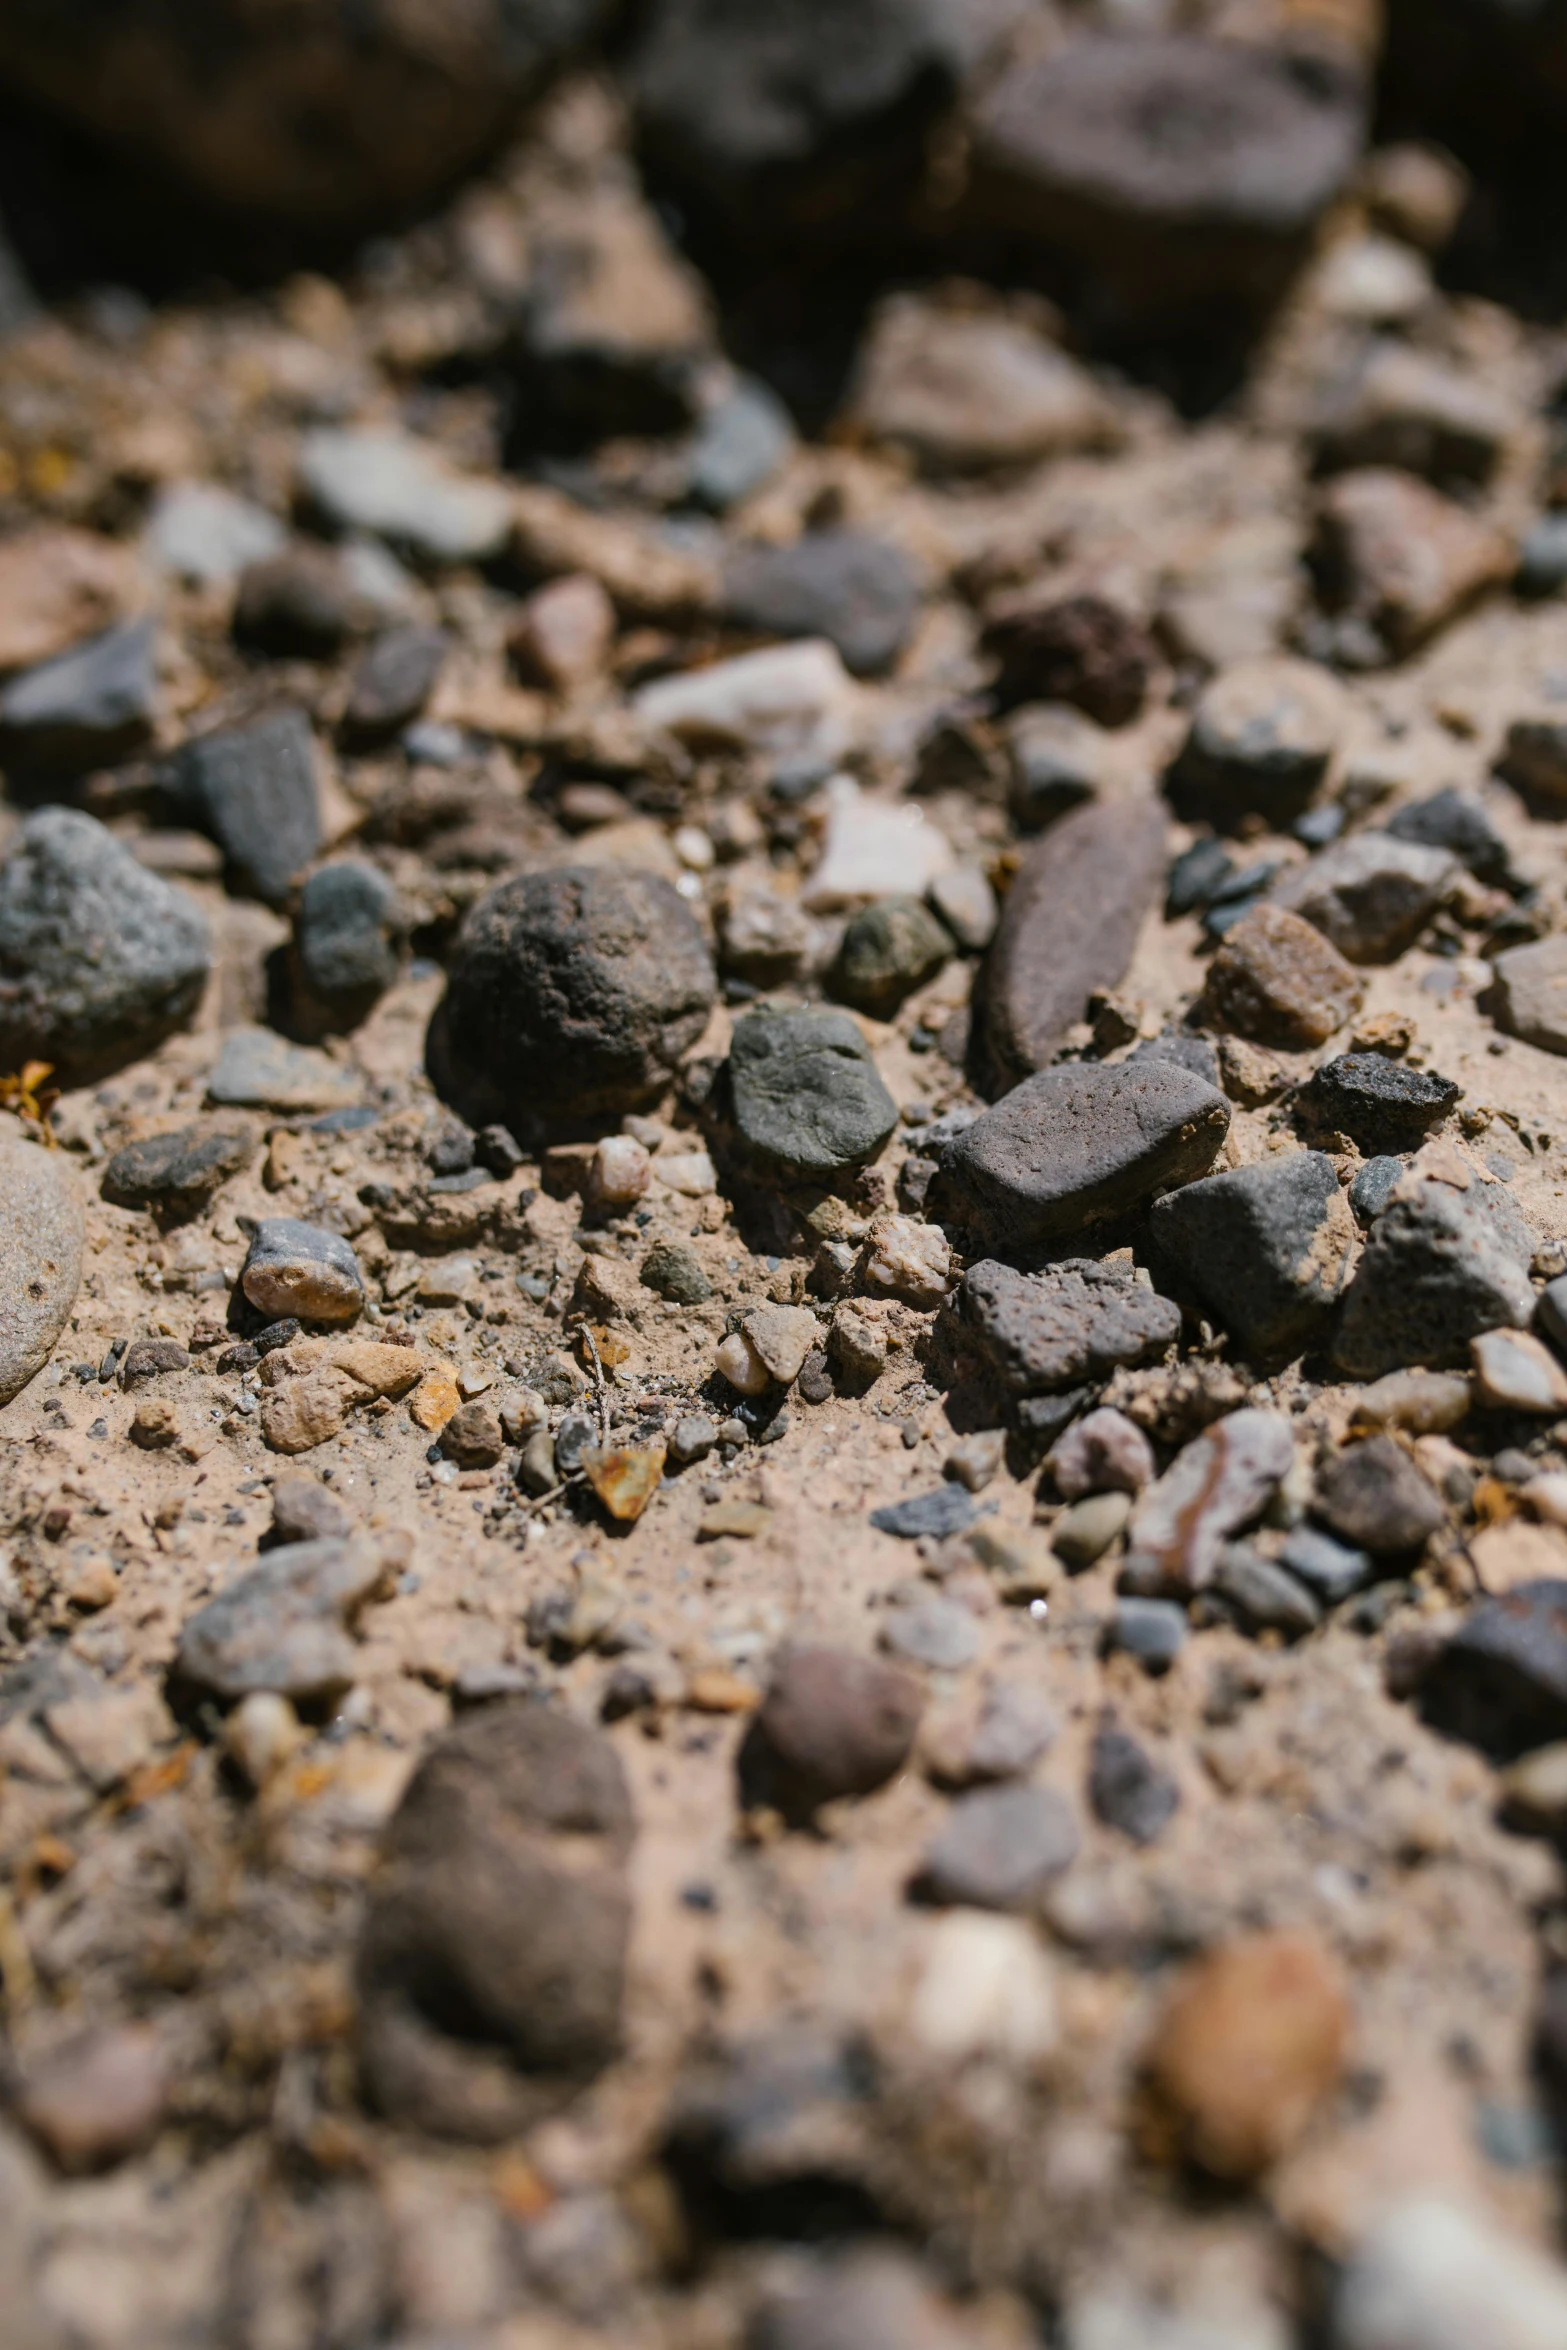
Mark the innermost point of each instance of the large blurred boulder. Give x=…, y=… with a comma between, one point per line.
x=331, y=112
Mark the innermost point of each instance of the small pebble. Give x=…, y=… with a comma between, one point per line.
x=999, y=1849
x=1151, y=1630
x=302, y=1270
x=1515, y=1373
x=1082, y=1534
x=1128, y=1790
x=974, y=1460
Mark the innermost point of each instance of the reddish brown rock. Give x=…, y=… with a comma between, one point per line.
x=1403, y=559
x=1278, y=981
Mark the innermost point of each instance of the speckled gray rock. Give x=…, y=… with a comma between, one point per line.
x=1000, y=1848
x=393, y=681
x=491, y=1968
x=253, y=788
x=1265, y=1248
x=1374, y=1186
x=1266, y=1597
x=43, y=1221
x=91, y=707
x=673, y=1273
x=302, y=1270
x=1070, y=926
x=344, y=954
x=572, y=995
x=1440, y=1266
x=888, y=951
x=1216, y=1487
x=99, y=959
x=1068, y=1326
x=1374, y=1497
x=1077, y=1144
x=282, y=1626
x=1127, y=1789
x=1385, y=1108
x=858, y=592
x=177, y=1172
x=806, y=1098
x=1371, y=895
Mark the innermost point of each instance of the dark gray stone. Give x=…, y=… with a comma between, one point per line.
x=1151, y=1630
x=1082, y=650
x=949, y=1510
x=1439, y=1267
x=345, y=950
x=672, y=1272
x=1262, y=738
x=832, y=1724
x=1267, y=1598
x=1331, y=1569
x=1374, y=1186
x=806, y=1097
x=1501, y=1681
x=888, y=951
x=1265, y=1248
x=576, y=1435
x=1376, y=1499
x=1369, y=895
x=1196, y=878
x=1384, y=1107
x=90, y=707
x=148, y=1358
x=1452, y=820
x=178, y=1172
x=282, y=1626
x=1542, y=558
x=253, y=788
x=302, y=1270
x=1069, y=928
x=1000, y=1848
x=1077, y=1144
x=298, y=604
x=1128, y=1790
x=392, y=683
x=1073, y=1324
x=858, y=592
x=572, y=996
x=100, y=960
x=1551, y=1312
x=491, y=1967
x=1057, y=760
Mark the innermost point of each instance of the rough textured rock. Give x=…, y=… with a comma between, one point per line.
x=832, y=1724
x=1074, y=1145
x=254, y=790
x=177, y=1173
x=1217, y=1487
x=1440, y=1266
x=1371, y=895
x=1253, y=2040
x=1384, y=1107
x=303, y=1270
x=858, y=592
x=1531, y=993
x=1373, y=1496
x=281, y=1626
x=321, y=113
x=1266, y=1248
x=1261, y=741
x=1000, y=1848
x=99, y=959
x=42, y=1215
x=1069, y=1326
x=1400, y=561
x=805, y=1094
x=1276, y=980
x=1070, y=926
x=887, y=952
x=344, y=953
x=571, y=994
x=1501, y=1681
x=492, y=1962
x=1082, y=650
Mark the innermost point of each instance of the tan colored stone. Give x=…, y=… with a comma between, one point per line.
x=781, y=1337
x=1253, y=2040
x=382, y=1370
x=155, y=1427
x=434, y=1400
x=1531, y=993
x=740, y=1521
x=563, y=633
x=1404, y=558
x=1277, y=981
x=58, y=587
x=306, y=1411
x=908, y=1258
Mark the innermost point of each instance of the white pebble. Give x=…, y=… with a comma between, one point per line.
x=261, y=1734
x=1432, y=2276
x=1547, y=1497
x=741, y=1365
x=986, y=1990
x=620, y=1173
x=908, y=1259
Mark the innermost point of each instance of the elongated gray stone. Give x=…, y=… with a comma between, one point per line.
x=1070, y=927
x=282, y=1626
x=1077, y=1144
x=42, y=1224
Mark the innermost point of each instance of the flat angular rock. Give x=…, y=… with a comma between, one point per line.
x=1373, y=1496
x=406, y=492
x=1266, y=1248
x=1000, y=1848
x=177, y=1172
x=1440, y=1266
x=805, y=1094
x=949, y=1510
x=296, y=1269
x=256, y=1070
x=1386, y=1108
x=1128, y=1790
x=282, y=1626
x=1069, y=927
x=1530, y=996
x=254, y=790
x=1277, y=981
x=1457, y=822
x=1400, y=561
x=99, y=959
x=91, y=707
x=1262, y=738
x=789, y=702
x=859, y=593
x=1178, y=165
x=1501, y=1681
x=1077, y=1144
x=1431, y=2273
x=965, y=391
x=491, y=1965
x=1066, y=1327
x=1217, y=1487
x=1371, y=895
x=571, y=995
x=1402, y=407
x=43, y=1218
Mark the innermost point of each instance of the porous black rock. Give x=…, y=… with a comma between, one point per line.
x=1440, y=1267
x=100, y=960
x=1385, y=1108
x=805, y=1094
x=1266, y=1248
x=177, y=1172
x=572, y=995
x=1075, y=1323
x=253, y=788
x=1077, y=1144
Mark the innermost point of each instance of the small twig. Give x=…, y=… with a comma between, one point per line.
x=598, y=1382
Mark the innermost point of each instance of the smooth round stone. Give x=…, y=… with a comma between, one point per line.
x=42, y=1216
x=1151, y=1630
x=806, y=1096
x=300, y=1269
x=1515, y=1373
x=1261, y=742
x=345, y=953
x=1083, y=1534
